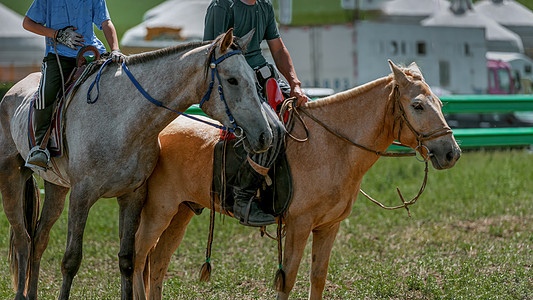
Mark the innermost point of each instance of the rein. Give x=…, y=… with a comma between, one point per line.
x=236, y=130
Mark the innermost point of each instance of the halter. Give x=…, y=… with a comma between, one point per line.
x=236, y=130
x=420, y=137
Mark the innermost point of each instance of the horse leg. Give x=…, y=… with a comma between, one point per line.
x=52, y=208
x=295, y=241
x=80, y=203
x=130, y=207
x=154, y=221
x=13, y=179
x=168, y=243
x=323, y=239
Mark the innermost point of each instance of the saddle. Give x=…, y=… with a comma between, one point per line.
x=85, y=66
x=275, y=195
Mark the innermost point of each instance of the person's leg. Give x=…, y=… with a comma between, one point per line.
x=45, y=103
x=251, y=176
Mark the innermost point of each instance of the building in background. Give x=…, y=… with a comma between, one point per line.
x=21, y=52
x=448, y=40
x=168, y=24
x=513, y=16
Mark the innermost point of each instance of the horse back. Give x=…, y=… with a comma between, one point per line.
x=10, y=106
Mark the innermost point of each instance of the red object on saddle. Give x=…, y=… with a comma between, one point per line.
x=275, y=99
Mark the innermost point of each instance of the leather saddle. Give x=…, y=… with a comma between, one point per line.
x=275, y=195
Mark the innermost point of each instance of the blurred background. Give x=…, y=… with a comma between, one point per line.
x=462, y=46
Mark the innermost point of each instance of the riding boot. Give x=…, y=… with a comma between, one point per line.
x=40, y=157
x=245, y=208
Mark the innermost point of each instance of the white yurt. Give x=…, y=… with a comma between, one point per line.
x=168, y=24
x=21, y=52
x=411, y=11
x=461, y=14
x=513, y=16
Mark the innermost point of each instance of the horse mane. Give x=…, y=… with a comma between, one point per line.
x=211, y=51
x=351, y=93
x=358, y=90
x=151, y=55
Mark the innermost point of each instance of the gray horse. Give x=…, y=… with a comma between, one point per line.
x=113, y=147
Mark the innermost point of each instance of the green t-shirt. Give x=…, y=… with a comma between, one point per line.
x=222, y=15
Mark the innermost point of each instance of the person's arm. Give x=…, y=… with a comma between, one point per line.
x=66, y=36
x=283, y=61
x=112, y=40
x=110, y=34
x=37, y=28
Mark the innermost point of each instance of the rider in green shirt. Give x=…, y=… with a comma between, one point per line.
x=243, y=16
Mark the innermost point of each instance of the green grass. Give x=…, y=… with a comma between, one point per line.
x=470, y=237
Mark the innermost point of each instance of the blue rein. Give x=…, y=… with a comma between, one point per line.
x=214, y=71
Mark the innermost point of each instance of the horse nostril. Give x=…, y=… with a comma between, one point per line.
x=453, y=155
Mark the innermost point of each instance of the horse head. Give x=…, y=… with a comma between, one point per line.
x=240, y=107
x=419, y=122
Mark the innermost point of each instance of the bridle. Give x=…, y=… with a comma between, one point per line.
x=236, y=130
x=420, y=137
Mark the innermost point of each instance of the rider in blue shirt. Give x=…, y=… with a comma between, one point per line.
x=67, y=26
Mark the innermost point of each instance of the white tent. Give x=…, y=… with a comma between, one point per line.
x=513, y=15
x=411, y=11
x=168, y=24
x=21, y=52
x=506, y=12
x=498, y=37
x=17, y=45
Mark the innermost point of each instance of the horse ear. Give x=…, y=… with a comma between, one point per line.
x=245, y=40
x=414, y=67
x=227, y=40
x=399, y=75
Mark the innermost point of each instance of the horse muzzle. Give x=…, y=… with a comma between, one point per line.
x=444, y=157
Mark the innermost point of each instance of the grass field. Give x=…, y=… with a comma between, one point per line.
x=470, y=237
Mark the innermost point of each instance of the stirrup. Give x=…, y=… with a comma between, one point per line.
x=244, y=220
x=32, y=152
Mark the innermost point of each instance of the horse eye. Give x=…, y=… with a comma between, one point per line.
x=418, y=106
x=233, y=81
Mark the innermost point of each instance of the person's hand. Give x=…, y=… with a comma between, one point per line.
x=69, y=37
x=297, y=92
x=117, y=56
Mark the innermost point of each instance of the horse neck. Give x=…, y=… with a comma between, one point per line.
x=364, y=115
x=175, y=79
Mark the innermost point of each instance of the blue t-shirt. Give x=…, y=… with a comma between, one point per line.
x=57, y=14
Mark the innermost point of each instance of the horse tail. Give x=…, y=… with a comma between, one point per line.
x=31, y=206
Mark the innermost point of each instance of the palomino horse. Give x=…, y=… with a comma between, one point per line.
x=374, y=115
x=113, y=146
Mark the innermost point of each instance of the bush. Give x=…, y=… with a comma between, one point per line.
x=4, y=87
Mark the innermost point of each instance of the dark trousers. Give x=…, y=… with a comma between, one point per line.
x=49, y=87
